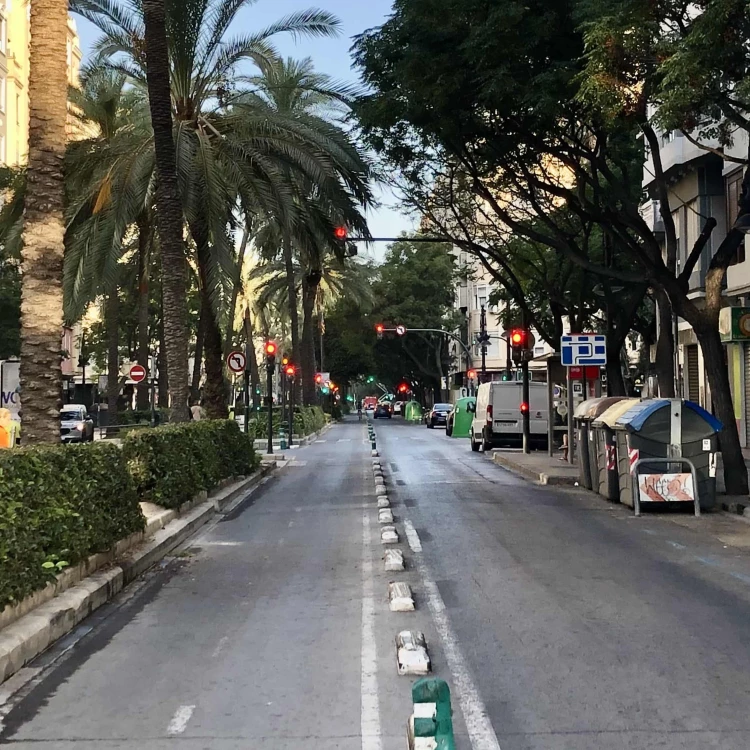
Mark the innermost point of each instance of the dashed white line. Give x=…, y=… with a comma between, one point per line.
x=415, y=543
x=478, y=725
x=370, y=706
x=220, y=646
x=676, y=545
x=180, y=720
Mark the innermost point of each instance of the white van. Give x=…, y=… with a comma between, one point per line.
x=498, y=419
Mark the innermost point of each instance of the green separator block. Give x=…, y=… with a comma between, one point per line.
x=436, y=719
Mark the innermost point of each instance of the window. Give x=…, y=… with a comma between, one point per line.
x=18, y=109
x=3, y=35
x=480, y=297
x=3, y=93
x=733, y=191
x=667, y=137
x=693, y=225
x=2, y=150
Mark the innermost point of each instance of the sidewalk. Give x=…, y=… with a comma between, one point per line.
x=537, y=466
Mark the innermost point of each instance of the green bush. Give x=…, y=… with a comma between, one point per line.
x=59, y=504
x=171, y=464
x=141, y=416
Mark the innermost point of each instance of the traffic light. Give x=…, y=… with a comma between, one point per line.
x=506, y=376
x=284, y=361
x=471, y=374
x=340, y=233
x=379, y=328
x=318, y=378
x=524, y=407
x=519, y=341
x=403, y=388
x=289, y=371
x=270, y=349
x=370, y=378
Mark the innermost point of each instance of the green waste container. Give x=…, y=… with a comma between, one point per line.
x=608, y=450
x=462, y=417
x=588, y=457
x=413, y=411
x=670, y=428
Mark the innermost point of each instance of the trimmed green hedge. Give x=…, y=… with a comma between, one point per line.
x=59, y=504
x=171, y=464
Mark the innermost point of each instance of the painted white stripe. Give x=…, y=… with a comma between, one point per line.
x=220, y=645
x=415, y=543
x=344, y=440
x=370, y=720
x=180, y=720
x=478, y=724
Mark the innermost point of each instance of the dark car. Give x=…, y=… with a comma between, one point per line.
x=384, y=411
x=438, y=415
x=76, y=426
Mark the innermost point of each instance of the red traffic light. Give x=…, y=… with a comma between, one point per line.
x=319, y=379
x=471, y=374
x=379, y=328
x=340, y=233
x=524, y=407
x=518, y=337
x=271, y=348
x=289, y=370
x=403, y=388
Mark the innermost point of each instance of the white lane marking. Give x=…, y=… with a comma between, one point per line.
x=180, y=720
x=290, y=524
x=676, y=545
x=221, y=544
x=320, y=441
x=220, y=645
x=478, y=723
x=370, y=707
x=344, y=440
x=412, y=537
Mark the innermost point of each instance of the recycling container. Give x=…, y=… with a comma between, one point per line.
x=581, y=424
x=670, y=428
x=597, y=407
x=607, y=453
x=462, y=417
x=412, y=411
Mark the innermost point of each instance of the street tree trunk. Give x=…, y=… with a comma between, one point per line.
x=44, y=226
x=144, y=339
x=665, y=346
x=163, y=374
x=291, y=288
x=200, y=334
x=112, y=324
x=168, y=207
x=229, y=335
x=307, y=360
x=252, y=361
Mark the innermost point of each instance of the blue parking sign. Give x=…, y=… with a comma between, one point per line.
x=583, y=349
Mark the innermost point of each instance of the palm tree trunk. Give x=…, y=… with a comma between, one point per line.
x=112, y=324
x=44, y=227
x=253, y=362
x=229, y=336
x=291, y=288
x=214, y=392
x=163, y=374
x=142, y=398
x=200, y=334
x=168, y=205
x=307, y=363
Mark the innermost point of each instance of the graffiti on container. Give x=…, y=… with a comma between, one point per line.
x=666, y=488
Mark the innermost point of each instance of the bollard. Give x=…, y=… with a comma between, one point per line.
x=431, y=725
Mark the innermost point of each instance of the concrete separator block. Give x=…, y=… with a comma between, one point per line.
x=373, y=452
x=411, y=653
x=394, y=560
x=379, y=481
x=380, y=489
x=389, y=535
x=383, y=502
x=400, y=598
x=385, y=515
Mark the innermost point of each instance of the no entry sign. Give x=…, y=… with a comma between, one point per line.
x=137, y=373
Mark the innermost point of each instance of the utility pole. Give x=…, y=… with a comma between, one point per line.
x=483, y=340
x=525, y=386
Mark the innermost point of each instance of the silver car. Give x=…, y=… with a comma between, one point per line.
x=76, y=426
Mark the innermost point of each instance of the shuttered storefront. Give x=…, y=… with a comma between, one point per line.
x=747, y=392
x=693, y=373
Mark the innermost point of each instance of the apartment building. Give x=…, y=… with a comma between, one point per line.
x=14, y=78
x=703, y=184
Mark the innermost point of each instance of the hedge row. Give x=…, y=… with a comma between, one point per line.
x=171, y=464
x=59, y=504
x=307, y=419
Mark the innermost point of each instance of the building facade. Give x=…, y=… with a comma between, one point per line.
x=703, y=184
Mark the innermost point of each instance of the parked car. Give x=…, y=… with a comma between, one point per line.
x=398, y=407
x=438, y=415
x=76, y=425
x=383, y=410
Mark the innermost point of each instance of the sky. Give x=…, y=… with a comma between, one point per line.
x=329, y=56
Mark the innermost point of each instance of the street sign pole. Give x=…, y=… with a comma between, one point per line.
x=152, y=368
x=269, y=401
x=571, y=458
x=525, y=398
x=483, y=336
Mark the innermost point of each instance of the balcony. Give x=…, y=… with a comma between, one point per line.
x=651, y=214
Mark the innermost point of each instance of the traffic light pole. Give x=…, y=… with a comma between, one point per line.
x=525, y=398
x=269, y=400
x=483, y=339
x=291, y=409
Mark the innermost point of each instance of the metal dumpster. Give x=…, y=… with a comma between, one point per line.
x=596, y=407
x=462, y=417
x=608, y=450
x=663, y=429
x=586, y=452
x=412, y=411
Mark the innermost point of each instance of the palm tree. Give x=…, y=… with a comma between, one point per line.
x=44, y=225
x=230, y=157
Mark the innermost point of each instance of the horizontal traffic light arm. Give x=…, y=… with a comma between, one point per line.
x=436, y=330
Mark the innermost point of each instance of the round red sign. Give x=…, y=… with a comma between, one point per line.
x=137, y=373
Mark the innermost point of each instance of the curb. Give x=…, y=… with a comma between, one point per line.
x=535, y=476
x=34, y=632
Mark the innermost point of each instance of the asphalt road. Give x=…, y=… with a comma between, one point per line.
x=560, y=621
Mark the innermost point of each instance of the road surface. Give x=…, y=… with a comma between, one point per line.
x=560, y=621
